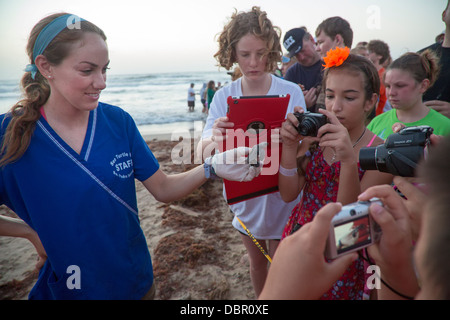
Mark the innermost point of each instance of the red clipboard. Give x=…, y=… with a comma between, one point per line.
x=254, y=118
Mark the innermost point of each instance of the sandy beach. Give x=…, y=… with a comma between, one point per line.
x=196, y=252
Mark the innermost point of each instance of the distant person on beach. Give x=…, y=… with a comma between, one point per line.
x=69, y=165
x=250, y=40
x=203, y=97
x=210, y=92
x=191, y=98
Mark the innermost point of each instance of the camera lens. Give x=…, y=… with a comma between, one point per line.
x=352, y=212
x=367, y=158
x=308, y=127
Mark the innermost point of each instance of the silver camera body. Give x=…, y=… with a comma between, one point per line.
x=352, y=229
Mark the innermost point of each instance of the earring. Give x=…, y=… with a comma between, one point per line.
x=50, y=77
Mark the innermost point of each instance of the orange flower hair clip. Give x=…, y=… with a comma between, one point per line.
x=336, y=57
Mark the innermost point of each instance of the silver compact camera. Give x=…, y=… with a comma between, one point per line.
x=352, y=229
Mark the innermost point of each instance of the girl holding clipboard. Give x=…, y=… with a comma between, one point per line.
x=251, y=41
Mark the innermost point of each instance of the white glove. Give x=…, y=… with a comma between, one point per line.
x=234, y=165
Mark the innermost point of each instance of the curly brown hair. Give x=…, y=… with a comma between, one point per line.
x=254, y=22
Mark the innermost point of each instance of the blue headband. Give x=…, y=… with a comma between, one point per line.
x=47, y=34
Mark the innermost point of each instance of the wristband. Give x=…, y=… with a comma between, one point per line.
x=209, y=170
x=288, y=172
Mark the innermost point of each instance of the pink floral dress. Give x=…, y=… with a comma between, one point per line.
x=321, y=187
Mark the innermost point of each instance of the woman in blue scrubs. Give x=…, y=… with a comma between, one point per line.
x=68, y=169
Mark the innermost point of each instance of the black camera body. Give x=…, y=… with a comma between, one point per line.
x=400, y=153
x=309, y=123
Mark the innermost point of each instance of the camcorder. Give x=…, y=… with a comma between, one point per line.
x=309, y=123
x=352, y=229
x=400, y=153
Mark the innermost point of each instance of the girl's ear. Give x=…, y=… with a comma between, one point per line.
x=424, y=85
x=370, y=103
x=45, y=68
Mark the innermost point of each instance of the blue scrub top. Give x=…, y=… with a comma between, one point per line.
x=84, y=208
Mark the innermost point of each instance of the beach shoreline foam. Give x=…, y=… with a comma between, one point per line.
x=171, y=131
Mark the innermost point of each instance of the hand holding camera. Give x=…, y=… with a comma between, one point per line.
x=300, y=256
x=334, y=135
x=394, y=252
x=323, y=127
x=301, y=124
x=309, y=123
x=352, y=229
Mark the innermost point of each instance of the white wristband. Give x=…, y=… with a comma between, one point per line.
x=288, y=172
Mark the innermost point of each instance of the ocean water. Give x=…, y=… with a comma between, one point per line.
x=153, y=100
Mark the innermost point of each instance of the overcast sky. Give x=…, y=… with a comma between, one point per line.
x=179, y=35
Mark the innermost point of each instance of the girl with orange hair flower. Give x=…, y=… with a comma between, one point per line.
x=326, y=167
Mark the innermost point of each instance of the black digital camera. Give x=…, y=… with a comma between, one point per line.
x=309, y=123
x=352, y=229
x=400, y=153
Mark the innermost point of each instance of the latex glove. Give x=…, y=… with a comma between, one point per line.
x=239, y=164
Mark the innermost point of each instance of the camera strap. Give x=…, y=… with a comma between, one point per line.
x=404, y=159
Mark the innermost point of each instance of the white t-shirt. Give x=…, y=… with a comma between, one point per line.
x=191, y=94
x=264, y=216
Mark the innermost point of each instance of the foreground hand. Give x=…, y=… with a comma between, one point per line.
x=394, y=222
x=435, y=139
x=393, y=254
x=219, y=129
x=310, y=97
x=414, y=203
x=240, y=164
x=289, y=134
x=299, y=269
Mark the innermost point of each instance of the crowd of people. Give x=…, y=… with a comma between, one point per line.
x=365, y=95
x=61, y=145
x=206, y=95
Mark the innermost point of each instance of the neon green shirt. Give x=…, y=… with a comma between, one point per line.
x=381, y=125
